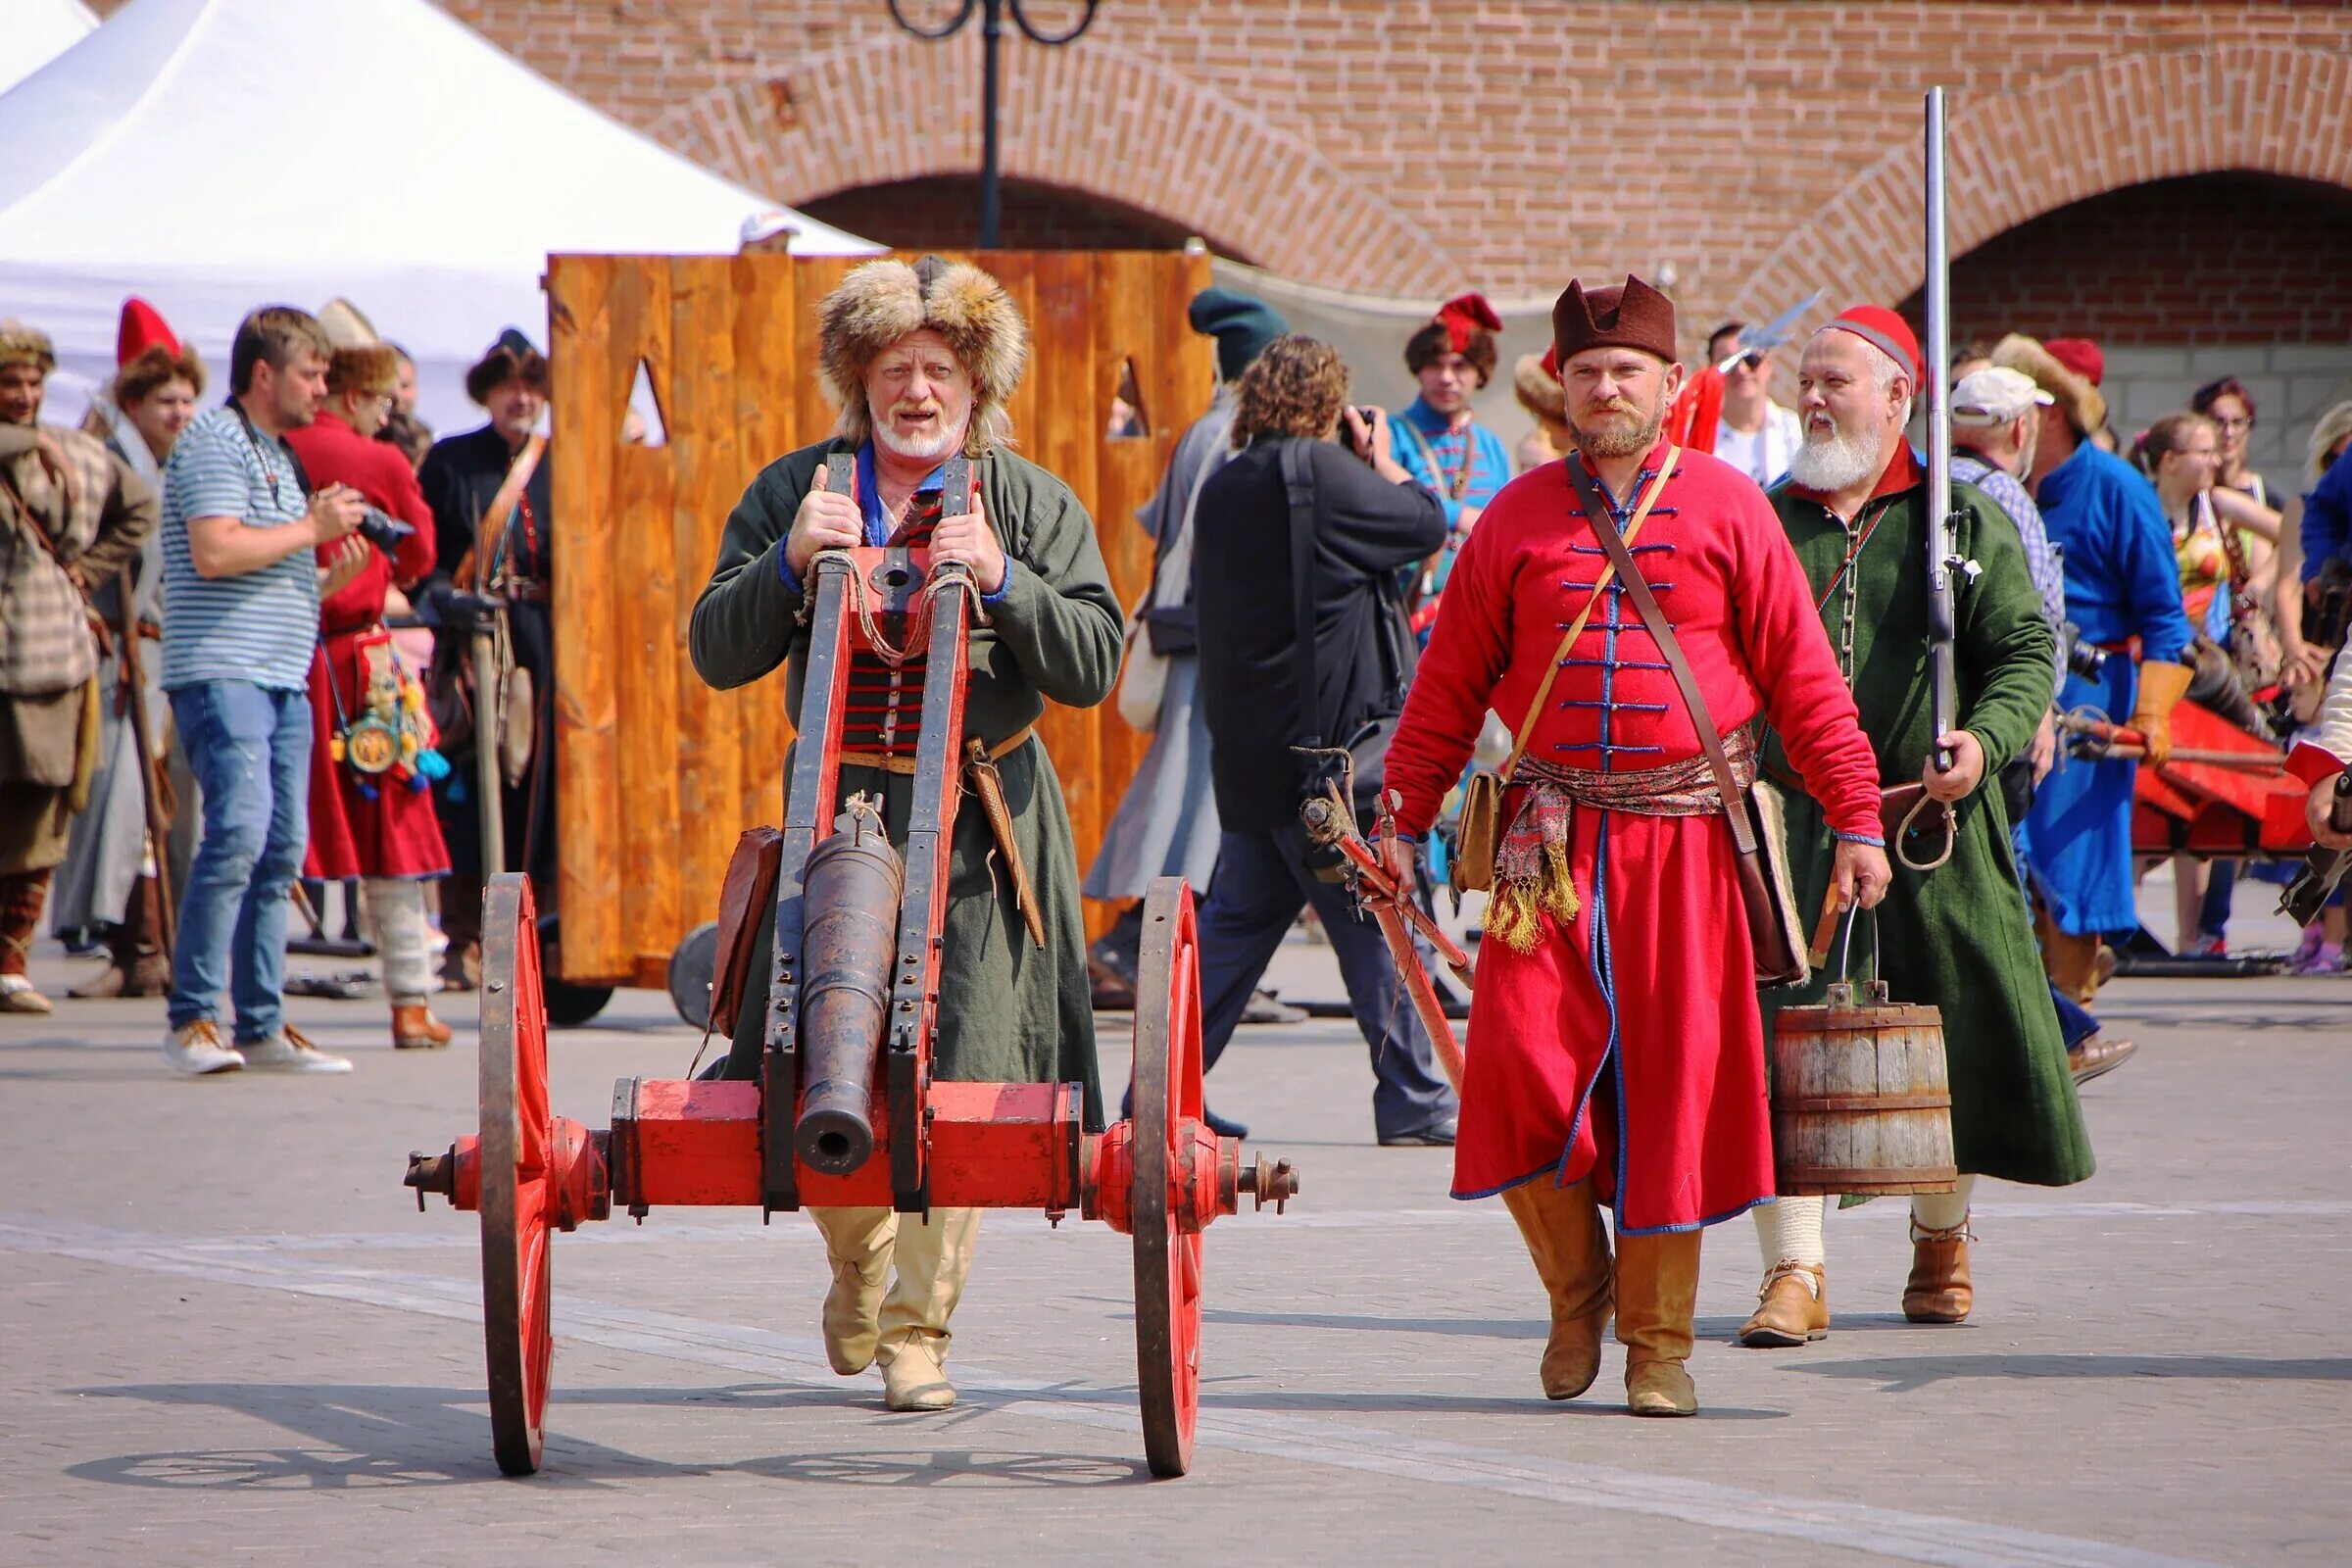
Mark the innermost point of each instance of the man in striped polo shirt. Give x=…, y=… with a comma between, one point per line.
x=240, y=531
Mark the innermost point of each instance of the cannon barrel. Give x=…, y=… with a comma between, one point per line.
x=850, y=894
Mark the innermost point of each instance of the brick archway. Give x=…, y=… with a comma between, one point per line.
x=2274, y=109
x=1162, y=143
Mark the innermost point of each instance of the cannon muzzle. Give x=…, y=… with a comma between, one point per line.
x=851, y=892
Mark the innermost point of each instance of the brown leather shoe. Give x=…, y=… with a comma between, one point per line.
x=1570, y=1247
x=1938, y=1290
x=461, y=966
x=415, y=1028
x=1793, y=1307
x=135, y=965
x=2098, y=1054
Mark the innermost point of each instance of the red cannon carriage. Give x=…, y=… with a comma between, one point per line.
x=845, y=1110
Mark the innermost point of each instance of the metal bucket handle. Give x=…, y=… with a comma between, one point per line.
x=1842, y=993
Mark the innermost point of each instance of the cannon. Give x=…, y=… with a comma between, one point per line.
x=845, y=1110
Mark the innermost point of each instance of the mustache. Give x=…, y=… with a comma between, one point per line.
x=1614, y=405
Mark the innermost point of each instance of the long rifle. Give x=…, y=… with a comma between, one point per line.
x=1943, y=696
x=131, y=685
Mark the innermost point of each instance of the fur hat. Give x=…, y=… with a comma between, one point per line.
x=27, y=345
x=1627, y=315
x=880, y=301
x=1536, y=380
x=2084, y=409
x=513, y=358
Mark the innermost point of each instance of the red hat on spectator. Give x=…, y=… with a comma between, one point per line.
x=143, y=328
x=1884, y=331
x=2080, y=356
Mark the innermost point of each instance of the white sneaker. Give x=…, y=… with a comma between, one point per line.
x=195, y=1048
x=288, y=1051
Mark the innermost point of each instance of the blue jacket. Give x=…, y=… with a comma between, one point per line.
x=2327, y=519
x=2122, y=577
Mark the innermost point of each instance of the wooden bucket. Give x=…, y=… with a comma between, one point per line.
x=1861, y=1102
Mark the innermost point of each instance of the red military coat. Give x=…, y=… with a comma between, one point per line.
x=395, y=834
x=1627, y=1045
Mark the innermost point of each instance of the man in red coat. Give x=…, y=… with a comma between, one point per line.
x=1615, y=1053
x=371, y=806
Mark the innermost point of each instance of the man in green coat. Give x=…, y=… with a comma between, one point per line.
x=922, y=361
x=1957, y=936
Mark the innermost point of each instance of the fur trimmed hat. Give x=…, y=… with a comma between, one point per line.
x=1536, y=380
x=1464, y=324
x=880, y=301
x=2084, y=408
x=27, y=345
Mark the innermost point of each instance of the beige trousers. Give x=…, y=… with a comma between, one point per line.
x=932, y=1258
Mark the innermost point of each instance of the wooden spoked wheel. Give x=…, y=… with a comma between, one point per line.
x=517, y=1192
x=1168, y=1104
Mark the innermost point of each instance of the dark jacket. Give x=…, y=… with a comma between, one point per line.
x=461, y=477
x=1366, y=530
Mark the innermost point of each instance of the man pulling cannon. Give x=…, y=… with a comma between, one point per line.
x=1856, y=508
x=922, y=360
x=1615, y=1054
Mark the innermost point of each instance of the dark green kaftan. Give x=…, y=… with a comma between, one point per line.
x=1009, y=1012
x=1958, y=937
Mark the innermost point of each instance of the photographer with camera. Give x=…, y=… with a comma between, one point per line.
x=372, y=759
x=241, y=531
x=1298, y=543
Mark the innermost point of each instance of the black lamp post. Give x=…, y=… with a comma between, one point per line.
x=992, y=30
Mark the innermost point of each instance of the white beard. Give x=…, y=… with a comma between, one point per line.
x=1832, y=460
x=942, y=442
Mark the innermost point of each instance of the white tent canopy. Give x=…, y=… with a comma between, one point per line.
x=38, y=31
x=214, y=155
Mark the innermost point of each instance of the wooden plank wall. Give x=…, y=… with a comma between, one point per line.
x=655, y=774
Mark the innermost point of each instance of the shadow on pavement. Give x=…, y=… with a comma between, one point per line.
x=364, y=1437
x=1901, y=1374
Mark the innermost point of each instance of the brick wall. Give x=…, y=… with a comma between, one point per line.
x=1409, y=146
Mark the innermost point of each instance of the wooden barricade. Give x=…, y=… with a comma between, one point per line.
x=655, y=772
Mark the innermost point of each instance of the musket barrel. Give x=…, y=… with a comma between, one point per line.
x=851, y=892
x=1934, y=392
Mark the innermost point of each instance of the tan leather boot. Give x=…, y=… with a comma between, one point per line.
x=415, y=1028
x=858, y=1243
x=1571, y=1251
x=914, y=1374
x=1938, y=1290
x=1793, y=1307
x=1657, y=1291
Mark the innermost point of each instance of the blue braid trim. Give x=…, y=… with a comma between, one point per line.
x=1872, y=840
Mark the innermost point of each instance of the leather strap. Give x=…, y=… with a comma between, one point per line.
x=1711, y=740
x=892, y=762
x=1535, y=709
x=509, y=491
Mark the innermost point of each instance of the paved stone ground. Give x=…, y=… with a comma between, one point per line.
x=226, y=1334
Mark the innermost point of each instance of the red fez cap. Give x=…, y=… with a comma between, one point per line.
x=143, y=328
x=1884, y=331
x=1627, y=315
x=1465, y=314
x=2080, y=356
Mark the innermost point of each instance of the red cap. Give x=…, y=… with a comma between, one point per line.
x=143, y=328
x=2078, y=355
x=1884, y=330
x=1463, y=313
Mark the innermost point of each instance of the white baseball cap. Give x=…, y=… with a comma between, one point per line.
x=1995, y=395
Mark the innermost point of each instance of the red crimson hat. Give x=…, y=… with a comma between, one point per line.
x=1463, y=314
x=2080, y=356
x=1884, y=330
x=143, y=328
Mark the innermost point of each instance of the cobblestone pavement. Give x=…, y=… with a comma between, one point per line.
x=226, y=1334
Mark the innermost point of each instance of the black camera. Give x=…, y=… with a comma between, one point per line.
x=383, y=530
x=1364, y=411
x=2083, y=657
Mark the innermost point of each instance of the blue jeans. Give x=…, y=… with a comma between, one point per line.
x=1260, y=884
x=250, y=749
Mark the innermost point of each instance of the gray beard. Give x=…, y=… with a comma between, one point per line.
x=941, y=443
x=1832, y=462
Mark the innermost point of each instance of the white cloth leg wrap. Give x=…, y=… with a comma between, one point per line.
x=398, y=904
x=1941, y=1211
x=1790, y=1231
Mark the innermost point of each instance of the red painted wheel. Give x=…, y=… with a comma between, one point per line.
x=518, y=1188
x=1167, y=1105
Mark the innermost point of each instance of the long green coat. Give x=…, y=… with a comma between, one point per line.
x=1958, y=937
x=1007, y=1011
